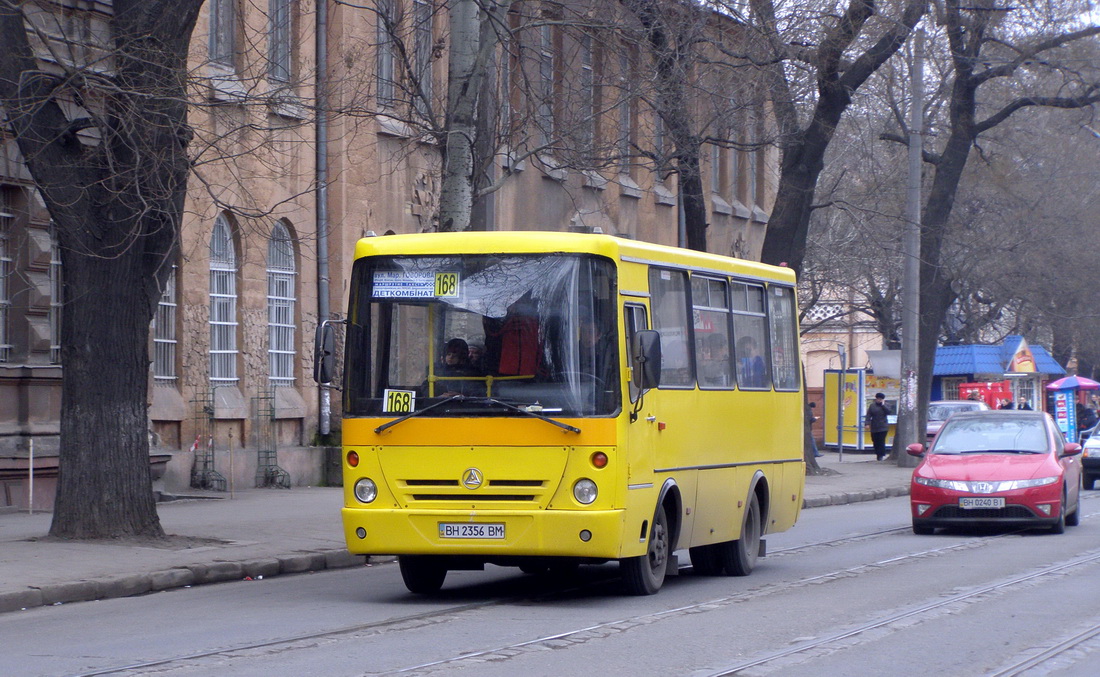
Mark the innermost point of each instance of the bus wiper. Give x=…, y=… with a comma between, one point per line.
x=526, y=412
x=418, y=412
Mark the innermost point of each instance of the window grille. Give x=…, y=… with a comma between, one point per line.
x=164, y=333
x=279, y=41
x=223, y=304
x=56, y=299
x=281, y=301
x=422, y=46
x=7, y=220
x=223, y=31
x=545, y=113
x=588, y=96
x=384, y=68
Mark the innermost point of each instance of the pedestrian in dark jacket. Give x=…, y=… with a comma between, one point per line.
x=877, y=423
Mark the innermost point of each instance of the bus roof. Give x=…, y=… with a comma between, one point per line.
x=538, y=242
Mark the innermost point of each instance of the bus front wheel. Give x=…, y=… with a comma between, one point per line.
x=422, y=574
x=739, y=557
x=644, y=575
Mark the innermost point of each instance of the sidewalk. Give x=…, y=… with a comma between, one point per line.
x=267, y=532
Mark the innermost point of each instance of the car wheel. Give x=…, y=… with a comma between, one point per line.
x=1088, y=481
x=644, y=575
x=922, y=530
x=1060, y=526
x=422, y=574
x=1074, y=518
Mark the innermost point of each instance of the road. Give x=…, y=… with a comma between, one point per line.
x=849, y=591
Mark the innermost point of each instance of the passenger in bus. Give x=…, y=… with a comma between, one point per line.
x=751, y=372
x=477, y=357
x=714, y=368
x=455, y=362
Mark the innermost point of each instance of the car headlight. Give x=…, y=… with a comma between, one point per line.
x=585, y=491
x=366, y=490
x=1024, y=484
x=942, y=484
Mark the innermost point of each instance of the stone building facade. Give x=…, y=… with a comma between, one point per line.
x=278, y=200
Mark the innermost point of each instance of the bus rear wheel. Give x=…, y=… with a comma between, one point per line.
x=645, y=575
x=422, y=574
x=739, y=557
x=705, y=560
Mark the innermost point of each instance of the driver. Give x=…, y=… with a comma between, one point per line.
x=455, y=361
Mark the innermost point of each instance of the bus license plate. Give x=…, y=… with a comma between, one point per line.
x=972, y=502
x=470, y=530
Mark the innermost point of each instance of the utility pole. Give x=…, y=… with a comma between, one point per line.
x=908, y=419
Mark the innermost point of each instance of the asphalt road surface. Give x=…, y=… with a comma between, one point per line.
x=849, y=591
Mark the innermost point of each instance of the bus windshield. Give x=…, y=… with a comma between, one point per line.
x=534, y=331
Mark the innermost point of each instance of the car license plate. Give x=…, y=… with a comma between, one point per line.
x=971, y=502
x=470, y=530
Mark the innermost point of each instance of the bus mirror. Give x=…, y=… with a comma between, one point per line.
x=324, y=353
x=647, y=359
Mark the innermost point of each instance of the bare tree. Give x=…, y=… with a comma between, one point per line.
x=1018, y=62
x=839, y=51
x=102, y=128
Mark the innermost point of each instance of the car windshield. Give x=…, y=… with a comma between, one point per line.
x=533, y=332
x=992, y=435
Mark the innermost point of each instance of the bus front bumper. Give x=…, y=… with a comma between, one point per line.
x=596, y=534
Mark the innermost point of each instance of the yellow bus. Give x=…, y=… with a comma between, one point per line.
x=544, y=400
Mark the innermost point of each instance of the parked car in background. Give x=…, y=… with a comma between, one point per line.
x=996, y=467
x=940, y=410
x=1090, y=461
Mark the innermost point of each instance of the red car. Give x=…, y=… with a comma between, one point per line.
x=997, y=467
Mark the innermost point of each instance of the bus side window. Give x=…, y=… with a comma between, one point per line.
x=672, y=319
x=782, y=313
x=750, y=336
x=634, y=319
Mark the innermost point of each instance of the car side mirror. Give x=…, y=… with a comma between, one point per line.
x=324, y=353
x=915, y=449
x=1071, y=449
x=646, y=349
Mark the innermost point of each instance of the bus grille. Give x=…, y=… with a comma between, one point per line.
x=496, y=491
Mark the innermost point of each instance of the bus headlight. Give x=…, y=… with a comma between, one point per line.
x=366, y=490
x=585, y=491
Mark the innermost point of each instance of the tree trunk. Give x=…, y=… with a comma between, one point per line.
x=104, y=486
x=691, y=192
x=116, y=201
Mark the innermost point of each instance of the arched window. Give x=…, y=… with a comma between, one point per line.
x=223, y=304
x=281, y=301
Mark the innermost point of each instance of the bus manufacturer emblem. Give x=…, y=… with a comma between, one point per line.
x=472, y=478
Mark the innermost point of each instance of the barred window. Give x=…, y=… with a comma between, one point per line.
x=279, y=40
x=281, y=303
x=56, y=300
x=223, y=304
x=7, y=219
x=223, y=31
x=626, y=112
x=545, y=112
x=164, y=333
x=386, y=16
x=422, y=45
x=588, y=96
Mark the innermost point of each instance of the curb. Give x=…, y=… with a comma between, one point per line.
x=177, y=577
x=854, y=497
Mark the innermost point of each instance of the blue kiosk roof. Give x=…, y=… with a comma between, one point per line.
x=976, y=359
